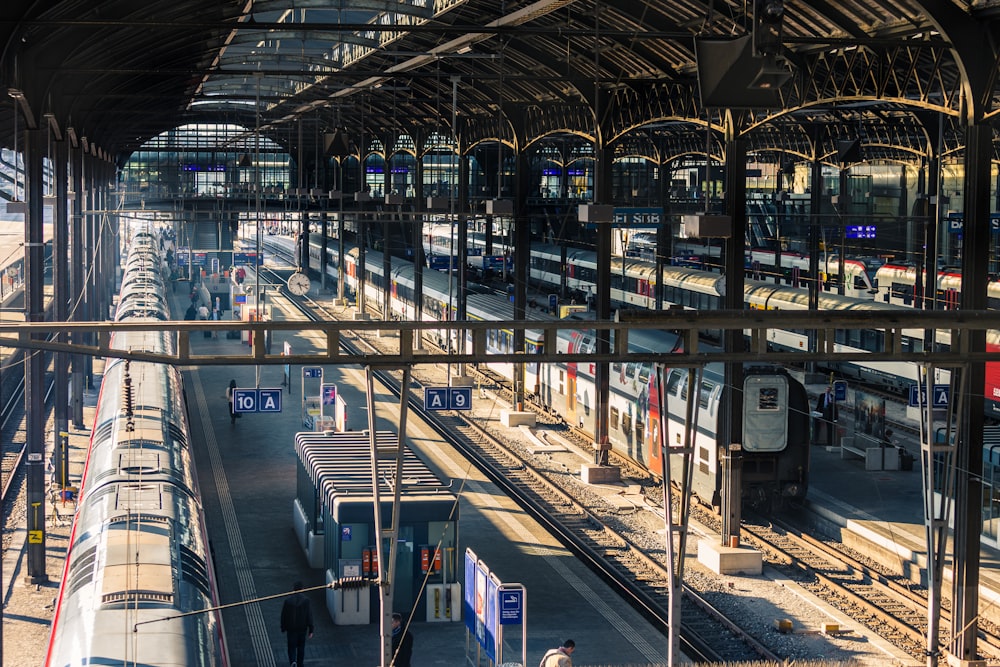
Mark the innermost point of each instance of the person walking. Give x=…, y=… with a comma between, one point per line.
x=402, y=642
x=559, y=657
x=232, y=402
x=297, y=624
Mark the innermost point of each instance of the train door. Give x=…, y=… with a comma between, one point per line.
x=571, y=370
x=653, y=425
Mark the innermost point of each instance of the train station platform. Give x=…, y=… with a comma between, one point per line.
x=247, y=472
x=880, y=512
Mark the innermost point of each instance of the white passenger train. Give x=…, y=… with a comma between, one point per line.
x=633, y=282
x=139, y=557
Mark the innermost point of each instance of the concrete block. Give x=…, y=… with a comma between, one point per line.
x=729, y=560
x=955, y=661
x=515, y=418
x=591, y=473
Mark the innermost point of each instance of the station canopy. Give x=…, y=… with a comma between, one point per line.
x=643, y=76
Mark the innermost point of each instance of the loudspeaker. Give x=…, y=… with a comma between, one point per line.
x=849, y=151
x=336, y=144
x=726, y=67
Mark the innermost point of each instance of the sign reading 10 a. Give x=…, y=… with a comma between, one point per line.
x=256, y=400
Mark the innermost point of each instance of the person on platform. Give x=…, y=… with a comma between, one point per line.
x=297, y=624
x=402, y=642
x=826, y=405
x=559, y=657
x=232, y=404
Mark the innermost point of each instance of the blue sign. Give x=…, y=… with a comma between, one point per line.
x=941, y=396
x=312, y=372
x=840, y=390
x=511, y=606
x=447, y=398
x=957, y=220
x=439, y=262
x=270, y=400
x=244, y=257
x=492, y=626
x=244, y=400
x=469, y=606
x=257, y=400
x=346, y=533
x=859, y=231
x=553, y=302
x=328, y=393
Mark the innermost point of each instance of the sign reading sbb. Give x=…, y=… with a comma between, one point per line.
x=447, y=398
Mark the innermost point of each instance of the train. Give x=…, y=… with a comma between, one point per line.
x=776, y=446
x=788, y=268
x=895, y=286
x=138, y=585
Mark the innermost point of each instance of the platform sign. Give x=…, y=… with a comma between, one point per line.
x=840, y=390
x=245, y=400
x=312, y=372
x=447, y=398
x=256, y=400
x=860, y=231
x=270, y=400
x=638, y=216
x=941, y=396
x=328, y=394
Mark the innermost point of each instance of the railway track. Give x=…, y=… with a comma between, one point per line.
x=707, y=635
x=880, y=601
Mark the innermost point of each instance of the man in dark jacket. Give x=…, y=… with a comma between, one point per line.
x=402, y=642
x=297, y=623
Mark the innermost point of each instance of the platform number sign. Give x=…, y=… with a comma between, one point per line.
x=256, y=400
x=447, y=398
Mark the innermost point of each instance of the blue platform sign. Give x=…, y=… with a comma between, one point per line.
x=312, y=372
x=447, y=398
x=328, y=392
x=256, y=400
x=270, y=400
x=245, y=400
x=840, y=390
x=511, y=606
x=941, y=396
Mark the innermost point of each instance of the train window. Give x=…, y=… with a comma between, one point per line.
x=640, y=428
x=630, y=371
x=616, y=368
x=872, y=340
x=613, y=418
x=673, y=381
x=706, y=394
x=644, y=372
x=627, y=424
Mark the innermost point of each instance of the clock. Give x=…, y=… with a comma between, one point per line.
x=299, y=284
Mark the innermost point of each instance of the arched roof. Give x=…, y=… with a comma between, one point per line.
x=120, y=71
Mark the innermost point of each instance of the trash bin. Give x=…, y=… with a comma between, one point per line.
x=905, y=459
